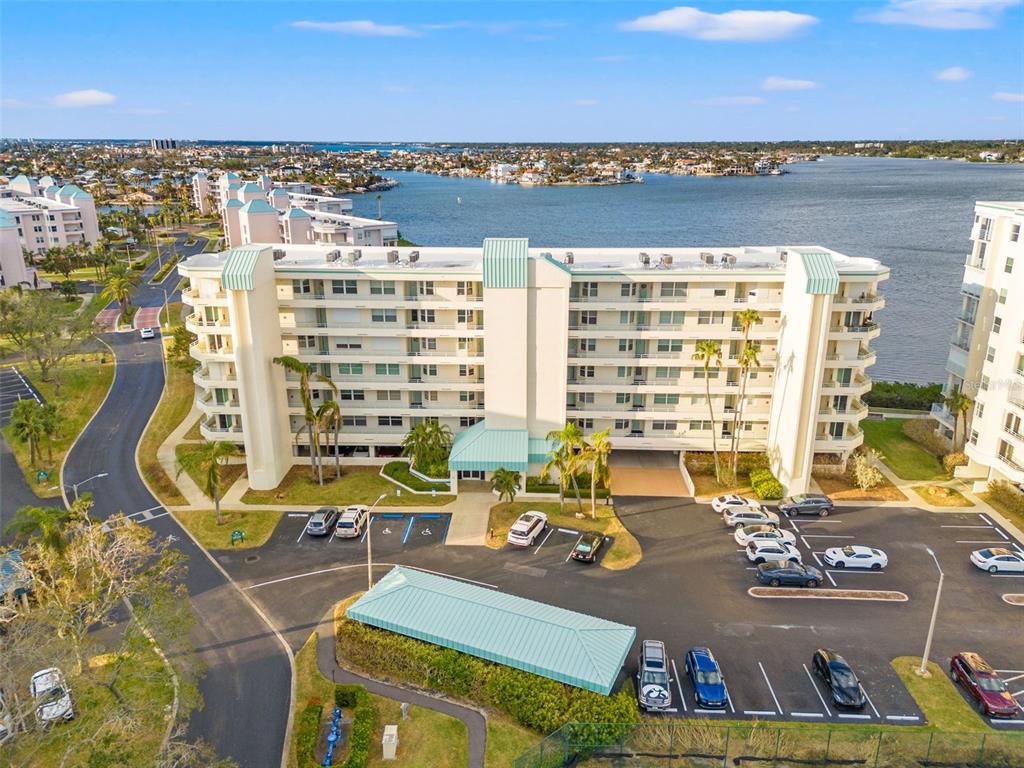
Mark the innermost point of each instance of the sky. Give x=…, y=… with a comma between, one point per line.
x=513, y=71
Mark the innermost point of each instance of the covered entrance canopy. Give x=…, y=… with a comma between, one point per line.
x=480, y=449
x=646, y=473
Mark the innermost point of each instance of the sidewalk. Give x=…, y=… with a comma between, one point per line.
x=165, y=454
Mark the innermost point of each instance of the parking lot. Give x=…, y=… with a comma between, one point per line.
x=14, y=387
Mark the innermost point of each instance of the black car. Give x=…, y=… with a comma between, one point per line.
x=782, y=573
x=806, y=504
x=839, y=678
x=587, y=547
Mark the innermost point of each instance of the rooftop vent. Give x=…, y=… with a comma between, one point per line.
x=570, y=258
x=355, y=255
x=645, y=259
x=707, y=258
x=392, y=257
x=333, y=256
x=414, y=256
x=783, y=255
x=666, y=260
x=730, y=259
x=279, y=254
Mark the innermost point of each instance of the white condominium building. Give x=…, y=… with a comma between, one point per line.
x=13, y=269
x=263, y=211
x=504, y=343
x=986, y=354
x=47, y=215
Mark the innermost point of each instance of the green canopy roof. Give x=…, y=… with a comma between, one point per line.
x=556, y=643
x=822, y=277
x=238, y=269
x=481, y=449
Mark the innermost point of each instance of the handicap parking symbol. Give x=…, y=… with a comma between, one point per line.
x=426, y=532
x=386, y=531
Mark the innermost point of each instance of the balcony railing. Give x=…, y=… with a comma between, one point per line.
x=960, y=343
x=863, y=328
x=1011, y=463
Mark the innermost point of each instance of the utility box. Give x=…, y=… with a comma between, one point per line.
x=389, y=743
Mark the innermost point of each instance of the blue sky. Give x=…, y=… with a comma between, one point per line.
x=490, y=71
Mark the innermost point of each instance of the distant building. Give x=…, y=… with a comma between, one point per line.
x=47, y=215
x=869, y=145
x=160, y=144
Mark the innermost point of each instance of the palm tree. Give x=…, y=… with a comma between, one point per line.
x=506, y=483
x=958, y=404
x=120, y=285
x=567, y=446
x=709, y=352
x=207, y=460
x=428, y=443
x=47, y=522
x=28, y=426
x=306, y=372
x=746, y=319
x=329, y=417
x=599, y=448
x=748, y=358
x=51, y=422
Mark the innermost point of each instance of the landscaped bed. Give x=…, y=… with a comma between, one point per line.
x=623, y=553
x=937, y=697
x=257, y=526
x=842, y=488
x=399, y=471
x=941, y=496
x=357, y=485
x=828, y=594
x=229, y=473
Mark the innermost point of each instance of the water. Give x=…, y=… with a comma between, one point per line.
x=913, y=215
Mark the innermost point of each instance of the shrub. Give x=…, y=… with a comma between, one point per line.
x=307, y=734
x=544, y=485
x=864, y=468
x=704, y=461
x=364, y=720
x=922, y=432
x=399, y=470
x=953, y=460
x=1006, y=494
x=765, y=485
x=894, y=394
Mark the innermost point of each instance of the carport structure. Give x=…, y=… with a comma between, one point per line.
x=646, y=473
x=556, y=643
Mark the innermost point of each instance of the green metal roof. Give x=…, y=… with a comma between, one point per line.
x=234, y=202
x=505, y=262
x=6, y=220
x=539, y=450
x=238, y=269
x=562, y=645
x=822, y=277
x=482, y=449
x=297, y=213
x=259, y=205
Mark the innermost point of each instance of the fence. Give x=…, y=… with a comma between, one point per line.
x=704, y=745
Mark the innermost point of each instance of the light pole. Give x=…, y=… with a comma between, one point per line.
x=74, y=486
x=167, y=314
x=369, y=546
x=923, y=670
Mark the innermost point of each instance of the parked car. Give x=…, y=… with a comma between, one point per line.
x=749, y=533
x=147, y=333
x=806, y=504
x=839, y=678
x=738, y=517
x=722, y=503
x=983, y=685
x=527, y=528
x=763, y=551
x=706, y=677
x=856, y=556
x=782, y=573
x=351, y=521
x=52, y=696
x=998, y=560
x=653, y=689
x=322, y=521
x=587, y=547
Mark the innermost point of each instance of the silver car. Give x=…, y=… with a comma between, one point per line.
x=52, y=696
x=322, y=521
x=738, y=517
x=653, y=684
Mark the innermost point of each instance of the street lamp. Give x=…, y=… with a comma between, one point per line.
x=369, y=546
x=923, y=670
x=74, y=486
x=167, y=314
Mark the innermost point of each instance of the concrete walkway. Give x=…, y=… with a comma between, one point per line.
x=471, y=511
x=476, y=723
x=167, y=457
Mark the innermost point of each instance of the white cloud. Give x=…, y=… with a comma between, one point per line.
x=585, y=102
x=1007, y=96
x=730, y=101
x=90, y=97
x=361, y=28
x=775, y=83
x=942, y=14
x=731, y=25
x=953, y=74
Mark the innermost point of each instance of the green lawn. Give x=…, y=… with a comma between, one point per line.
x=85, y=381
x=357, y=485
x=229, y=473
x=902, y=455
x=1009, y=513
x=257, y=527
x=506, y=740
x=937, y=697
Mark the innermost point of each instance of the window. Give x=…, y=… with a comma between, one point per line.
x=422, y=316
x=666, y=373
x=466, y=315
x=427, y=344
x=974, y=437
x=383, y=315
x=705, y=317
x=467, y=370
x=663, y=426
x=351, y=394
x=698, y=425
x=467, y=397
x=387, y=369
x=588, y=345
x=430, y=397
x=350, y=369
x=625, y=289
x=622, y=424
x=389, y=421
x=382, y=287
x=670, y=345
x=625, y=345
x=343, y=286
x=698, y=400
x=353, y=421
x=991, y=354
x=465, y=288
x=979, y=409
x=666, y=399
x=588, y=290
x=1002, y=295
x=997, y=324
x=348, y=344
x=1008, y=269
x=425, y=287
x=719, y=292
x=385, y=395
x=584, y=423
x=585, y=371
x=428, y=370
x=621, y=398
x=673, y=289
x=984, y=382
x=1014, y=233
x=589, y=317
x=623, y=372
x=301, y=286
x=671, y=318
x=464, y=344
x=712, y=373
x=586, y=398
x=307, y=342
x=468, y=421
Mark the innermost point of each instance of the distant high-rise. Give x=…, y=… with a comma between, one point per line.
x=163, y=144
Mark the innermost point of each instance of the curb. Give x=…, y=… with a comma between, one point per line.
x=785, y=593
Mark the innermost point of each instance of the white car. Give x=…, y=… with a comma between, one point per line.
x=351, y=521
x=856, y=556
x=998, y=560
x=147, y=333
x=527, y=528
x=762, y=551
x=722, y=503
x=749, y=533
x=52, y=696
x=737, y=517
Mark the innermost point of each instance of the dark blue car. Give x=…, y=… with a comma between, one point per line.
x=708, y=683
x=786, y=574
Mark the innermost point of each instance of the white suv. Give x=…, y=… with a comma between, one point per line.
x=527, y=528
x=351, y=522
x=52, y=696
x=762, y=551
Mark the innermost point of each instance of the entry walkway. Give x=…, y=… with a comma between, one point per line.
x=646, y=473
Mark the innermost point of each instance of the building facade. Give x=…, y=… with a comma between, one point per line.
x=505, y=343
x=986, y=353
x=47, y=215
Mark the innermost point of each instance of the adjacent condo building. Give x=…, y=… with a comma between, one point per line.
x=47, y=215
x=504, y=343
x=986, y=353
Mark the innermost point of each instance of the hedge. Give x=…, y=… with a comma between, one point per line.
x=896, y=394
x=399, y=470
x=364, y=720
x=535, y=702
x=307, y=735
x=1007, y=495
x=704, y=461
x=537, y=485
x=922, y=432
x=765, y=484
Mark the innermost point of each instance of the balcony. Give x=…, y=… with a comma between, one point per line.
x=861, y=358
x=871, y=330
x=876, y=302
x=1012, y=432
x=203, y=377
x=196, y=323
x=1010, y=462
x=193, y=297
x=941, y=414
x=858, y=385
x=960, y=343
x=212, y=431
x=209, y=404
x=855, y=410
x=966, y=317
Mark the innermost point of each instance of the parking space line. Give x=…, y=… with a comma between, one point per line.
x=814, y=685
x=1018, y=693
x=542, y=543
x=827, y=536
x=873, y=709
x=709, y=711
x=1005, y=537
x=408, y=528
x=974, y=541
x=1011, y=671
x=569, y=530
x=984, y=518
x=965, y=526
x=1007, y=575
x=333, y=533
x=759, y=712
x=850, y=716
x=903, y=718
x=771, y=690
x=299, y=540
x=444, y=533
x=679, y=687
x=1011, y=679
x=806, y=714
x=567, y=557
x=867, y=571
x=372, y=518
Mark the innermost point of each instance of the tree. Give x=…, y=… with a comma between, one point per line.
x=866, y=474
x=28, y=426
x=306, y=373
x=958, y=404
x=51, y=422
x=178, y=350
x=566, y=456
x=62, y=259
x=599, y=448
x=121, y=283
x=749, y=358
x=710, y=354
x=506, y=483
x=328, y=418
x=46, y=523
x=207, y=460
x=428, y=443
x=43, y=329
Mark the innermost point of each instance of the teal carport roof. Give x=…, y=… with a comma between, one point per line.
x=485, y=450
x=238, y=268
x=552, y=642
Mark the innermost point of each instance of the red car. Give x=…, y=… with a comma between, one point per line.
x=982, y=684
